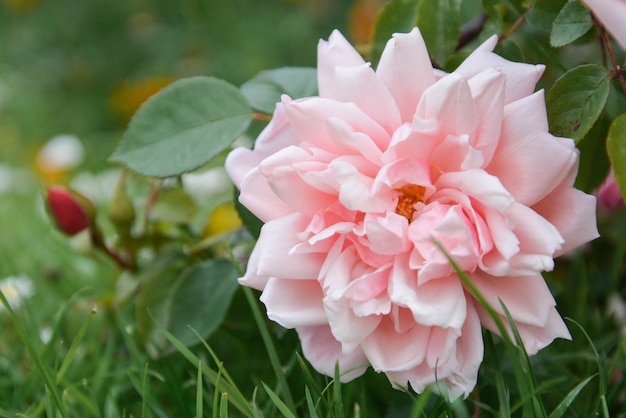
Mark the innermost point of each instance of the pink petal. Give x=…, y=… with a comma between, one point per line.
x=375, y=100
x=284, y=172
x=520, y=78
x=336, y=52
x=294, y=303
x=533, y=337
x=527, y=298
x=276, y=259
x=439, y=302
x=388, y=350
x=484, y=187
x=351, y=142
x=539, y=240
x=406, y=70
x=308, y=117
x=450, y=102
x=573, y=213
x=323, y=352
x=488, y=90
x=529, y=161
x=387, y=234
x=258, y=197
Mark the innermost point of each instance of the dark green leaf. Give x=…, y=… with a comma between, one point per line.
x=197, y=297
x=264, y=90
x=183, y=126
x=594, y=162
x=201, y=299
x=440, y=24
x=616, y=147
x=572, y=22
x=544, y=12
x=174, y=205
x=396, y=16
x=576, y=100
x=154, y=298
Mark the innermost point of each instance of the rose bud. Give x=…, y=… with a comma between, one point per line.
x=609, y=195
x=71, y=211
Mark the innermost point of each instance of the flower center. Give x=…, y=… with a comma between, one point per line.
x=410, y=194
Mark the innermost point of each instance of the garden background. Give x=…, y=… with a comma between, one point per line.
x=82, y=340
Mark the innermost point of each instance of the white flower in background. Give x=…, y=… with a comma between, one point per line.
x=98, y=187
x=204, y=184
x=16, y=289
x=61, y=153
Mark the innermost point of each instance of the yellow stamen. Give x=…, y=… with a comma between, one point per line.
x=410, y=194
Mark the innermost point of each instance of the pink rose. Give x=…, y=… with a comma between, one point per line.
x=609, y=195
x=612, y=15
x=355, y=186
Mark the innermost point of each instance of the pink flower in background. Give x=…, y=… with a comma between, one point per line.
x=609, y=195
x=357, y=185
x=612, y=15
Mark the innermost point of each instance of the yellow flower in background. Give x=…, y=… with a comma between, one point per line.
x=223, y=219
x=361, y=20
x=22, y=5
x=130, y=95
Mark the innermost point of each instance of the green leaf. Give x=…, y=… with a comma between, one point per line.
x=264, y=90
x=395, y=16
x=576, y=100
x=174, y=205
x=572, y=22
x=616, y=147
x=201, y=298
x=544, y=12
x=594, y=164
x=440, y=24
x=183, y=126
x=198, y=297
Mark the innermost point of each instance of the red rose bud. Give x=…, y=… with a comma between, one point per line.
x=71, y=211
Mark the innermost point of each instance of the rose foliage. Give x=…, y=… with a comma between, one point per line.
x=358, y=188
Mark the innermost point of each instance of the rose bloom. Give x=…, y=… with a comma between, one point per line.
x=609, y=195
x=612, y=15
x=357, y=187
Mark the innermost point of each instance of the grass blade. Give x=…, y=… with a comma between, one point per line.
x=69, y=357
x=269, y=346
x=236, y=398
x=566, y=402
x=50, y=384
x=199, y=403
x=282, y=407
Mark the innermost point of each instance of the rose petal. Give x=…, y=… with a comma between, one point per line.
x=336, y=52
x=323, y=352
x=573, y=213
x=520, y=78
x=527, y=152
x=294, y=303
x=276, y=259
x=404, y=56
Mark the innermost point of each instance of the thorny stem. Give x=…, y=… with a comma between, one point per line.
x=471, y=30
x=516, y=25
x=617, y=71
x=98, y=242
